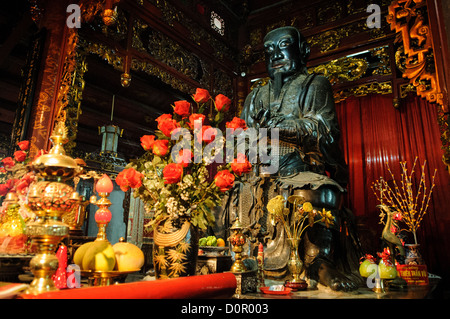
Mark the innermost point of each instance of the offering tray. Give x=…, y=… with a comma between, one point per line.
x=213, y=250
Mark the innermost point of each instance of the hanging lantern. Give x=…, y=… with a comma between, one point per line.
x=111, y=134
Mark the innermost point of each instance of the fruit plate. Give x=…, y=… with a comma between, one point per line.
x=213, y=250
x=104, y=278
x=267, y=290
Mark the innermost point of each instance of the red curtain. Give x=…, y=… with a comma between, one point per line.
x=373, y=134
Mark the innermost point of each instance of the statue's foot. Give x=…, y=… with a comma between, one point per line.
x=331, y=277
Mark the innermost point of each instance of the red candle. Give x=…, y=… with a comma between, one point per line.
x=104, y=185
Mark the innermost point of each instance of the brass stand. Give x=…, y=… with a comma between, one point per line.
x=46, y=235
x=238, y=241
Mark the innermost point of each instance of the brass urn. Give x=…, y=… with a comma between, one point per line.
x=50, y=198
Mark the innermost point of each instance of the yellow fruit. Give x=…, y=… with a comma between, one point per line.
x=128, y=256
x=99, y=257
x=220, y=242
x=80, y=252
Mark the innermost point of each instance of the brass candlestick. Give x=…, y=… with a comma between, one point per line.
x=50, y=198
x=238, y=241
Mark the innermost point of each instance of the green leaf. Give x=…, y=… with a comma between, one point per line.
x=156, y=160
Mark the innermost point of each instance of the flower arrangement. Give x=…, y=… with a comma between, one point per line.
x=409, y=204
x=172, y=178
x=14, y=175
x=304, y=215
x=15, y=179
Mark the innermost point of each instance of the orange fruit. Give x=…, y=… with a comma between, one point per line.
x=220, y=242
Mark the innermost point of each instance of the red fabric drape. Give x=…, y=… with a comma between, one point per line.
x=373, y=134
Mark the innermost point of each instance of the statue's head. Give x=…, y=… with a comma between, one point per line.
x=286, y=51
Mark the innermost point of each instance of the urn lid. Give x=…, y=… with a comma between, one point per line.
x=236, y=225
x=56, y=164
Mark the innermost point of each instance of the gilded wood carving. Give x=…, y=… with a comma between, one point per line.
x=409, y=18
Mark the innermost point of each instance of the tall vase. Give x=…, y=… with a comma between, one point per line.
x=295, y=264
x=175, y=250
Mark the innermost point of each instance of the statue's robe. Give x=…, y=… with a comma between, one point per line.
x=305, y=103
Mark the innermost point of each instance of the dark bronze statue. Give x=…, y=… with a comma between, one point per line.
x=301, y=106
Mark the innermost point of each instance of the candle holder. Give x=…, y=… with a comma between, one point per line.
x=50, y=198
x=238, y=241
x=103, y=215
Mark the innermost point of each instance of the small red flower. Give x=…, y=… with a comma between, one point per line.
x=241, y=165
x=196, y=117
x=224, y=180
x=172, y=173
x=24, y=145
x=236, y=123
x=8, y=162
x=129, y=177
x=163, y=117
x=222, y=103
x=161, y=147
x=167, y=126
x=147, y=142
x=182, y=108
x=201, y=95
x=20, y=156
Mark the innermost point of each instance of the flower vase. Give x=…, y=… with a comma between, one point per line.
x=295, y=264
x=175, y=249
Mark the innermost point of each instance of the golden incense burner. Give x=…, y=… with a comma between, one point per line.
x=50, y=198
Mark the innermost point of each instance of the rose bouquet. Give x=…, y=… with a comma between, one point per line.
x=174, y=177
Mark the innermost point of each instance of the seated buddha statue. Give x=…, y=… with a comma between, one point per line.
x=310, y=164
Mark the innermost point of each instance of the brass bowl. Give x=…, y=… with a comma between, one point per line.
x=104, y=278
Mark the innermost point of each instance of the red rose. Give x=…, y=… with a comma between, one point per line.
x=201, y=95
x=222, y=103
x=207, y=135
x=161, y=147
x=8, y=162
x=241, y=165
x=196, y=117
x=24, y=145
x=167, y=126
x=147, y=142
x=182, y=108
x=172, y=173
x=184, y=157
x=4, y=189
x=163, y=118
x=224, y=180
x=20, y=156
x=236, y=123
x=129, y=177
